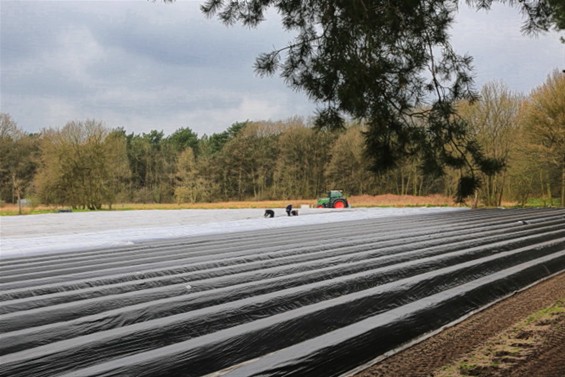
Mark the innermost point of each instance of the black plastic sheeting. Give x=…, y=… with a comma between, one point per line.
x=319, y=300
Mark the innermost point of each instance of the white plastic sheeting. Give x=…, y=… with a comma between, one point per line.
x=34, y=234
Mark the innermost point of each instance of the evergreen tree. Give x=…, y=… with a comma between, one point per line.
x=388, y=63
x=182, y=139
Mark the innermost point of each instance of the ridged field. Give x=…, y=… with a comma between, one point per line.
x=316, y=300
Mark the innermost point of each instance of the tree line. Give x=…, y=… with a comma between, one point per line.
x=390, y=64
x=86, y=165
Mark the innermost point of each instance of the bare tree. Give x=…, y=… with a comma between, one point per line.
x=78, y=165
x=493, y=121
x=544, y=123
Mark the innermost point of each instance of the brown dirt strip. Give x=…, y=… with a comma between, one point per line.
x=424, y=358
x=548, y=360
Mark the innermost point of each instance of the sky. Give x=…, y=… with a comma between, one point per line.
x=146, y=65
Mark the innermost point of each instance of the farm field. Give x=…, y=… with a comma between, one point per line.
x=521, y=336
x=319, y=294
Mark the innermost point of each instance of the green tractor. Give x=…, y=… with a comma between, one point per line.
x=335, y=199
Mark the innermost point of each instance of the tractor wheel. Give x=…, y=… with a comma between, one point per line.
x=340, y=203
x=321, y=206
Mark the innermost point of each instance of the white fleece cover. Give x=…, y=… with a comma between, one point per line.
x=58, y=232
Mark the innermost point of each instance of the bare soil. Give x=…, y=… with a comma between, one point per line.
x=536, y=349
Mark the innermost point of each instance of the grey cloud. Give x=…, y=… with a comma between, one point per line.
x=502, y=53
x=24, y=31
x=147, y=65
x=149, y=60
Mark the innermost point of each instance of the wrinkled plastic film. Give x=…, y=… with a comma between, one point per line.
x=201, y=306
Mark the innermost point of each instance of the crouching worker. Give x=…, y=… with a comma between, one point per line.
x=289, y=209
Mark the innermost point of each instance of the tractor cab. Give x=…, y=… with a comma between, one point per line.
x=334, y=199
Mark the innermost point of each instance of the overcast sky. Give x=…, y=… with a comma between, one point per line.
x=145, y=65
